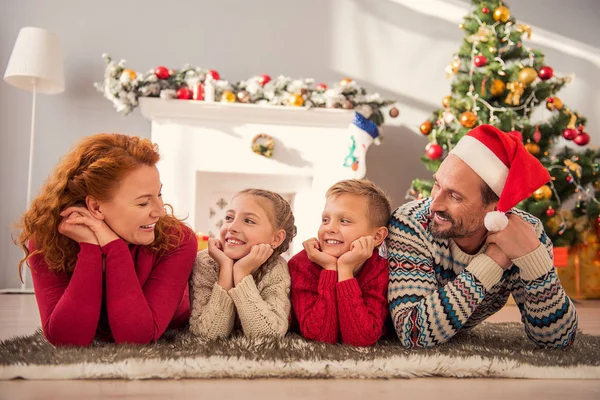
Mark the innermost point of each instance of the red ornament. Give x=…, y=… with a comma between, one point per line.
x=580, y=128
x=485, y=10
x=264, y=79
x=184, y=93
x=569, y=178
x=434, y=151
x=161, y=72
x=550, y=212
x=550, y=100
x=214, y=74
x=570, y=134
x=321, y=87
x=480, y=61
x=537, y=135
x=546, y=73
x=582, y=139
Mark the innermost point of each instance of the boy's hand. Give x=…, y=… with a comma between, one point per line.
x=350, y=262
x=313, y=250
x=248, y=264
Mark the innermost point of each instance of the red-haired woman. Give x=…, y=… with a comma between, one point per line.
x=107, y=261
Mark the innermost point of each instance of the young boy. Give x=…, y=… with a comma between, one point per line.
x=339, y=281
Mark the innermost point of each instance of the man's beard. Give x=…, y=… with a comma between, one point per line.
x=456, y=230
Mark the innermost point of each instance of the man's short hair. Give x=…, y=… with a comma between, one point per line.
x=488, y=196
x=379, y=210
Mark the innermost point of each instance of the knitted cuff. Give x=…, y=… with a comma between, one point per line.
x=220, y=297
x=485, y=270
x=90, y=249
x=327, y=279
x=534, y=264
x=246, y=290
x=349, y=288
x=115, y=244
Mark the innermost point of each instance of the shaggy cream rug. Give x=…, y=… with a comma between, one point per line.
x=490, y=350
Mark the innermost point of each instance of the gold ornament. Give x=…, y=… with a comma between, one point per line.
x=524, y=28
x=345, y=81
x=543, y=193
x=296, y=100
x=263, y=144
x=453, y=68
x=498, y=87
x=555, y=104
x=426, y=127
x=501, y=14
x=574, y=167
x=131, y=73
x=461, y=26
x=228, y=97
x=446, y=101
x=527, y=75
x=492, y=49
x=482, y=35
x=532, y=148
x=467, y=119
x=243, y=96
x=516, y=91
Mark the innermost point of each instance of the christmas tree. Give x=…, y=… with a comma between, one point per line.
x=498, y=80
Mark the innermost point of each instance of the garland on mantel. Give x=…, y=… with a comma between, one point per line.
x=123, y=87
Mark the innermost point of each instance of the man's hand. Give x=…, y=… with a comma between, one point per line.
x=350, y=262
x=495, y=253
x=248, y=264
x=324, y=260
x=80, y=216
x=517, y=239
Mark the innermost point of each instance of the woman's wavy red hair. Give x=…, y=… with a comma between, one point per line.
x=94, y=168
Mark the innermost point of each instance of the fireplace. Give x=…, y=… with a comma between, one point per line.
x=206, y=157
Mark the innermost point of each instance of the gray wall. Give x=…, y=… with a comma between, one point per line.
x=388, y=47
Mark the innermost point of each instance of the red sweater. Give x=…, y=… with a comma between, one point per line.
x=137, y=296
x=354, y=309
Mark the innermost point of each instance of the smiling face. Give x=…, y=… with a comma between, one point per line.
x=246, y=224
x=136, y=206
x=344, y=219
x=457, y=207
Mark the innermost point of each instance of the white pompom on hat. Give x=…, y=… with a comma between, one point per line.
x=501, y=160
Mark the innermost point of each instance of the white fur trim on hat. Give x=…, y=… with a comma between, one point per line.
x=483, y=161
x=495, y=221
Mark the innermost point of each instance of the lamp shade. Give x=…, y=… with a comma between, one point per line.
x=36, y=57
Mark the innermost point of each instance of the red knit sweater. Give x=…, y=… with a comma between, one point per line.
x=353, y=310
x=137, y=296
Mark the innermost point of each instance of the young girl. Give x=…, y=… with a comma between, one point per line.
x=242, y=273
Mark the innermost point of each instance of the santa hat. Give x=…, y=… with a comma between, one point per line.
x=501, y=160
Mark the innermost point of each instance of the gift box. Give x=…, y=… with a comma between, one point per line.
x=580, y=276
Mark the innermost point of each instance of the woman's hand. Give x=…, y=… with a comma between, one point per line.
x=80, y=217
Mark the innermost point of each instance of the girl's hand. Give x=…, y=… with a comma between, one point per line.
x=215, y=250
x=82, y=217
x=252, y=262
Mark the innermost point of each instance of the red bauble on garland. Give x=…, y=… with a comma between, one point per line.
x=545, y=73
x=485, y=10
x=480, y=61
x=550, y=212
x=321, y=87
x=582, y=139
x=264, y=79
x=570, y=134
x=161, y=72
x=184, y=93
x=434, y=151
x=213, y=74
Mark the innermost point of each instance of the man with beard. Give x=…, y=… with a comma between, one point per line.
x=455, y=257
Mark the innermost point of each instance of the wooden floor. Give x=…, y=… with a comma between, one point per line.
x=19, y=316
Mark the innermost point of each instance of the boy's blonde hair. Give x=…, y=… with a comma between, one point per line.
x=379, y=210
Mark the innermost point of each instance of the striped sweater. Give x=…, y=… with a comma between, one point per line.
x=435, y=289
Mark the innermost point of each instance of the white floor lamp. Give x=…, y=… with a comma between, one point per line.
x=35, y=65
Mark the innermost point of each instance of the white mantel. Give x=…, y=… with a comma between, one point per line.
x=206, y=155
